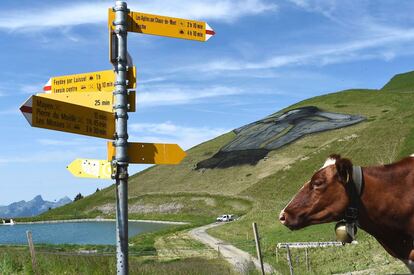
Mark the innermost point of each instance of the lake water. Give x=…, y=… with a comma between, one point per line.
x=72, y=232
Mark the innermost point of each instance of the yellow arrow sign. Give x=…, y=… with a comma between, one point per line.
x=102, y=81
x=151, y=153
x=90, y=168
x=61, y=116
x=99, y=101
x=165, y=26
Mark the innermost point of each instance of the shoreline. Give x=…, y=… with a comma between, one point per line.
x=98, y=220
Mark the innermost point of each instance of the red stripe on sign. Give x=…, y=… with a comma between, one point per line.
x=47, y=88
x=210, y=32
x=26, y=109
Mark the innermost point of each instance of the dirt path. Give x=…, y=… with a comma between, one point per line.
x=236, y=257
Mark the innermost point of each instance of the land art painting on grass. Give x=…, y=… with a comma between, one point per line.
x=255, y=140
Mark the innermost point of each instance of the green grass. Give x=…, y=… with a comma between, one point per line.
x=382, y=140
x=261, y=191
x=200, y=208
x=17, y=261
x=403, y=81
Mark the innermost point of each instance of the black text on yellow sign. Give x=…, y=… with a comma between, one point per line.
x=101, y=81
x=145, y=23
x=72, y=118
x=99, y=101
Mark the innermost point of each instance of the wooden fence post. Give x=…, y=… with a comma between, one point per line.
x=277, y=254
x=289, y=258
x=307, y=260
x=257, y=240
x=32, y=251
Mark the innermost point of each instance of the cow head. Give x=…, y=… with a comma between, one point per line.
x=322, y=199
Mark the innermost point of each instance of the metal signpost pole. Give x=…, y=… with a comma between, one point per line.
x=121, y=138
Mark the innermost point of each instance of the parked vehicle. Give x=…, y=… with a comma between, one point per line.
x=8, y=222
x=225, y=218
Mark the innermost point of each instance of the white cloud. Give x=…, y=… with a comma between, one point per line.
x=379, y=47
x=60, y=142
x=152, y=80
x=11, y=111
x=32, y=88
x=173, y=95
x=47, y=156
x=54, y=155
x=74, y=14
x=168, y=132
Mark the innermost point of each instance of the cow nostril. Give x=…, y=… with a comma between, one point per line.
x=282, y=217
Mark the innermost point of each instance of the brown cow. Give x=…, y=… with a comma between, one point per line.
x=386, y=204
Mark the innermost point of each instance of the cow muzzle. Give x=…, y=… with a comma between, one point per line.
x=288, y=220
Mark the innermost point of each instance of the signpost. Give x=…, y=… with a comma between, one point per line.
x=99, y=101
x=97, y=104
x=166, y=26
x=121, y=136
x=102, y=81
x=151, y=153
x=61, y=116
x=91, y=168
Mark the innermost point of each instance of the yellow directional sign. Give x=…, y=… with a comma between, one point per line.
x=61, y=116
x=99, y=101
x=151, y=153
x=90, y=168
x=102, y=81
x=165, y=26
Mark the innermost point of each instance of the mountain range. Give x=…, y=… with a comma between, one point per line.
x=30, y=208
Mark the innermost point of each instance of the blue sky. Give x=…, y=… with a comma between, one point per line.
x=265, y=56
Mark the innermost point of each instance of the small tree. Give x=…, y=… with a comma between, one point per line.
x=78, y=197
x=97, y=190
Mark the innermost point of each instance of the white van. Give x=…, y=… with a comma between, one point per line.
x=225, y=218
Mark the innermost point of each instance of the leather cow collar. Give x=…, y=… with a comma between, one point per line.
x=354, y=188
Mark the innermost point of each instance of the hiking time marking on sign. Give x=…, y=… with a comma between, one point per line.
x=99, y=101
x=102, y=81
x=165, y=26
x=66, y=117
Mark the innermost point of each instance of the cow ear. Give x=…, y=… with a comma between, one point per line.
x=335, y=157
x=344, y=169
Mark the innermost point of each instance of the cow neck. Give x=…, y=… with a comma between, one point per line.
x=354, y=188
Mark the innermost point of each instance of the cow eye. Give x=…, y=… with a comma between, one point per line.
x=317, y=183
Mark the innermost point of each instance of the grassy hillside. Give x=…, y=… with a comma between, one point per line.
x=403, y=81
x=261, y=191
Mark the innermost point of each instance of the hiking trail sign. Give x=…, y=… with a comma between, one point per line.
x=96, y=104
x=91, y=168
x=100, y=101
x=151, y=153
x=146, y=23
x=66, y=117
x=102, y=81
